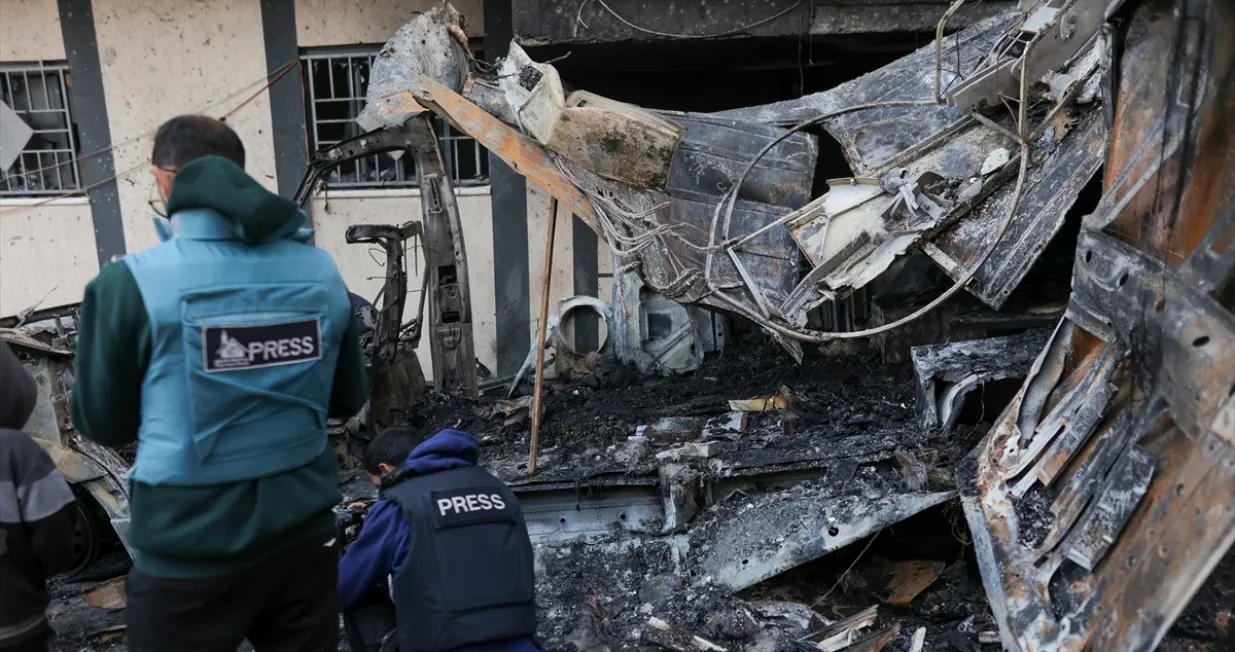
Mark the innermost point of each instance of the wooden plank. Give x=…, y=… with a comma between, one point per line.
x=109, y=595
x=919, y=640
x=875, y=642
x=909, y=578
x=20, y=339
x=521, y=153
x=844, y=633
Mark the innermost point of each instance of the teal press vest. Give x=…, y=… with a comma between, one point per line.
x=245, y=341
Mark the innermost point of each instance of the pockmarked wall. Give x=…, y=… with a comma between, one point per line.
x=47, y=254
x=162, y=59
x=30, y=31
x=327, y=22
x=47, y=248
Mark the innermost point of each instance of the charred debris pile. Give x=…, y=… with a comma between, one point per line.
x=717, y=508
x=756, y=504
x=1017, y=300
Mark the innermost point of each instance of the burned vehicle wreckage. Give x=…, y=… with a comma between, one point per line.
x=837, y=498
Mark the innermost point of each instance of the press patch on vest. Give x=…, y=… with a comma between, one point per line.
x=468, y=506
x=233, y=348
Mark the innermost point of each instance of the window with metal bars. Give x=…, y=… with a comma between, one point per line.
x=39, y=94
x=336, y=82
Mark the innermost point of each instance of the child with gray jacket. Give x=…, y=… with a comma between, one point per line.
x=37, y=517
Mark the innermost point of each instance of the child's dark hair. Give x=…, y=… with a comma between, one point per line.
x=391, y=446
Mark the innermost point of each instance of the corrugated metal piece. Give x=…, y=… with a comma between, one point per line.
x=706, y=164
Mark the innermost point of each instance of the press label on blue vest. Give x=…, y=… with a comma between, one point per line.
x=233, y=348
x=470, y=505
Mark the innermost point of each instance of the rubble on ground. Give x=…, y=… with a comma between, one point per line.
x=608, y=560
x=1043, y=461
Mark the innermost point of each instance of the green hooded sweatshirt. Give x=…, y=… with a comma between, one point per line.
x=195, y=532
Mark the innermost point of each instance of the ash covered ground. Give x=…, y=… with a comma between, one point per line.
x=80, y=626
x=850, y=406
x=852, y=440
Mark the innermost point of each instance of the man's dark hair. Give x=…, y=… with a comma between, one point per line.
x=186, y=138
x=391, y=446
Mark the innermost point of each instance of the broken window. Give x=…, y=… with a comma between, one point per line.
x=38, y=94
x=336, y=83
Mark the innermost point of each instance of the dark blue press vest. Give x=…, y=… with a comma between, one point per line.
x=245, y=340
x=469, y=575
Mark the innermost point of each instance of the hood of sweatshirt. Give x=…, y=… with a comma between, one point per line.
x=18, y=392
x=448, y=449
x=253, y=213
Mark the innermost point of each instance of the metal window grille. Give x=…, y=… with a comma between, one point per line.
x=337, y=83
x=39, y=94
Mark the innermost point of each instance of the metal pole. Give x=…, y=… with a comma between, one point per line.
x=540, y=338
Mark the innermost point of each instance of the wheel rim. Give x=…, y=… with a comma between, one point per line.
x=84, y=541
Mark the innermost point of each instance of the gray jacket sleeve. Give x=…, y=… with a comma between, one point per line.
x=34, y=495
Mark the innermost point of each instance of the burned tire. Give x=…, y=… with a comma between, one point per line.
x=92, y=538
x=85, y=540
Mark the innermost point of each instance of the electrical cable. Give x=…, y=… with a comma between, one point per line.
x=731, y=32
x=270, y=80
x=277, y=74
x=77, y=191
x=939, y=27
x=732, y=193
x=818, y=337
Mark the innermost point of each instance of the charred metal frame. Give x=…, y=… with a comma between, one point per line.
x=395, y=373
x=389, y=328
x=946, y=373
x=445, y=283
x=450, y=310
x=1126, y=424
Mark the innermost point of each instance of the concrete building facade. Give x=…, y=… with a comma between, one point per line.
x=115, y=69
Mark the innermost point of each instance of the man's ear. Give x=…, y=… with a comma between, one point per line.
x=385, y=468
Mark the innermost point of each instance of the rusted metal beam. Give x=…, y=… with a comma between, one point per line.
x=521, y=153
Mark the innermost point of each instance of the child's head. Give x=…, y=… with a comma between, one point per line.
x=389, y=450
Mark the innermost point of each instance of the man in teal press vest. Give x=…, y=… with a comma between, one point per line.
x=222, y=352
